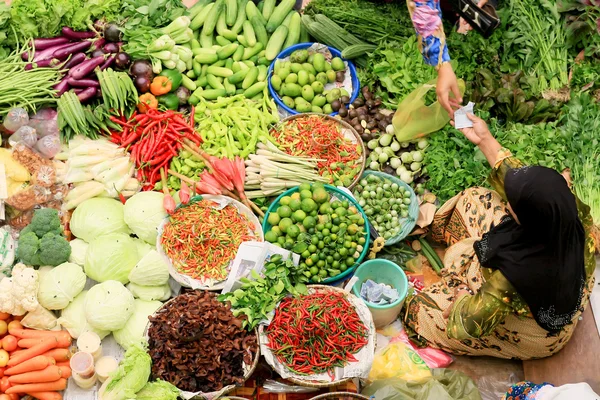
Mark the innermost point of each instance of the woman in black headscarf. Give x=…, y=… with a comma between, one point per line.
x=519, y=266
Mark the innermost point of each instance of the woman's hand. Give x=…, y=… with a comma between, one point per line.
x=446, y=84
x=463, y=25
x=481, y=136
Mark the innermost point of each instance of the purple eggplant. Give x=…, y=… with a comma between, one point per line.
x=86, y=94
x=109, y=61
x=48, y=53
x=74, y=60
x=97, y=52
x=46, y=43
x=123, y=60
x=111, y=48
x=65, y=52
x=61, y=87
x=74, y=35
x=97, y=44
x=86, y=67
x=53, y=62
x=82, y=83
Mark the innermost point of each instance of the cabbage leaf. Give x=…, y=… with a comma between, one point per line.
x=133, y=331
x=108, y=306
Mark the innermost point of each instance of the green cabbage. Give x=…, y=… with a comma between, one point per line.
x=159, y=390
x=60, y=286
x=74, y=321
x=150, y=293
x=152, y=270
x=131, y=376
x=108, y=306
x=96, y=217
x=133, y=331
x=143, y=248
x=143, y=213
x=78, y=251
x=111, y=257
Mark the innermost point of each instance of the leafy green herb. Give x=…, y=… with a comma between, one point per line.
x=259, y=296
x=150, y=13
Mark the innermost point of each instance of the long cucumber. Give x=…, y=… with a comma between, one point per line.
x=276, y=42
x=212, y=18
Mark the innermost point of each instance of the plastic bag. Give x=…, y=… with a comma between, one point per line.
x=397, y=360
x=434, y=358
x=26, y=135
x=413, y=119
x=15, y=118
x=444, y=384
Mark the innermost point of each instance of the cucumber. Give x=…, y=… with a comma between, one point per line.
x=219, y=71
x=255, y=89
x=239, y=76
x=239, y=53
x=304, y=37
x=197, y=68
x=197, y=8
x=229, y=87
x=262, y=73
x=249, y=34
x=222, y=41
x=241, y=17
x=206, y=41
x=227, y=51
x=278, y=15
x=294, y=29
x=206, y=56
x=268, y=8
x=250, y=78
x=201, y=17
x=252, y=11
x=232, y=12
x=252, y=51
x=211, y=94
x=202, y=81
x=242, y=40
x=222, y=24
x=259, y=31
x=263, y=60
x=188, y=83
x=214, y=82
x=357, y=50
x=191, y=74
x=276, y=42
x=195, y=44
x=288, y=18
x=211, y=20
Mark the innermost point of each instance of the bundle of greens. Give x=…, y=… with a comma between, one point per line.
x=371, y=22
x=536, y=42
x=154, y=13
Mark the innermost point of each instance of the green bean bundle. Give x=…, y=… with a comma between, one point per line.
x=29, y=89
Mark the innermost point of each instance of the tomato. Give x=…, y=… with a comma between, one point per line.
x=9, y=343
x=4, y=384
x=3, y=328
x=14, y=325
x=3, y=358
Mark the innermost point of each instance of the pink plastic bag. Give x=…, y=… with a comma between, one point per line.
x=434, y=358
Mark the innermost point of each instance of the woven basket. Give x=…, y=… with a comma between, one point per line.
x=413, y=209
x=321, y=385
x=226, y=389
x=350, y=132
x=340, y=396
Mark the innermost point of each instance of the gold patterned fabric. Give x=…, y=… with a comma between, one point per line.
x=495, y=320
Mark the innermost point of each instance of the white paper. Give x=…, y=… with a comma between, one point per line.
x=253, y=256
x=460, y=116
x=358, y=369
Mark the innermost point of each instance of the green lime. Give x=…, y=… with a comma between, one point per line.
x=298, y=216
x=343, y=251
x=273, y=219
x=305, y=254
x=324, y=208
x=350, y=261
x=305, y=194
x=285, y=200
x=308, y=204
x=323, y=273
x=309, y=222
x=281, y=240
x=284, y=212
x=320, y=195
x=271, y=237
x=312, y=248
x=341, y=211
x=284, y=224
x=304, y=186
x=314, y=258
x=295, y=204
x=276, y=229
x=314, y=270
x=309, y=262
x=293, y=231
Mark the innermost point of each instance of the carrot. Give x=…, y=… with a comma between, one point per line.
x=36, y=350
x=48, y=374
x=60, y=384
x=65, y=372
x=63, y=364
x=63, y=341
x=34, y=364
x=33, y=333
x=59, y=354
x=46, y=395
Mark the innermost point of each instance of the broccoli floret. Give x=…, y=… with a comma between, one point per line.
x=28, y=249
x=44, y=221
x=54, y=249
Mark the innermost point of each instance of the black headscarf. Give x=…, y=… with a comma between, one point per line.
x=542, y=255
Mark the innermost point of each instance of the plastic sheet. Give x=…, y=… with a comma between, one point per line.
x=444, y=384
x=271, y=386
x=493, y=389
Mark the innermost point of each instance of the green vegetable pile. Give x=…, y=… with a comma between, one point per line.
x=41, y=242
x=258, y=296
x=186, y=164
x=329, y=234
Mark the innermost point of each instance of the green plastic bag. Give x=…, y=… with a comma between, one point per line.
x=413, y=119
x=444, y=384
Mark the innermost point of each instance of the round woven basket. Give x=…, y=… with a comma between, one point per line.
x=340, y=396
x=226, y=389
x=348, y=131
x=321, y=385
x=413, y=210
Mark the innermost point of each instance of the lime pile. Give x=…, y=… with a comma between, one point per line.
x=329, y=234
x=301, y=82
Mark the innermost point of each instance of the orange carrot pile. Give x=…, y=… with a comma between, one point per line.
x=37, y=364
